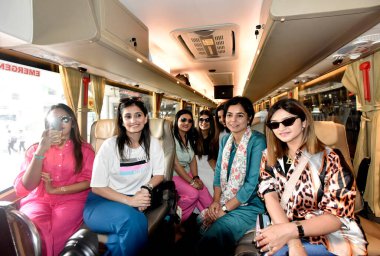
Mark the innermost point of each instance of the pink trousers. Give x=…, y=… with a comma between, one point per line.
x=191, y=197
x=56, y=222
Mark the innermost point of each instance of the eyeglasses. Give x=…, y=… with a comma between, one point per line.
x=184, y=120
x=65, y=119
x=207, y=120
x=286, y=122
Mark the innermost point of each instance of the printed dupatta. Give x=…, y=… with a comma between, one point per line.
x=231, y=186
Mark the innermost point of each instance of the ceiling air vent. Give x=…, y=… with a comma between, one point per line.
x=222, y=78
x=208, y=43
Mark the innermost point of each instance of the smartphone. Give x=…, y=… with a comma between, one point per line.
x=54, y=123
x=262, y=221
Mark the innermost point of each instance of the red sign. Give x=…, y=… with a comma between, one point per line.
x=19, y=69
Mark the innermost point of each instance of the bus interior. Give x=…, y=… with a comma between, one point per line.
x=191, y=55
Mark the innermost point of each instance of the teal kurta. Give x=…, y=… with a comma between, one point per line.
x=223, y=235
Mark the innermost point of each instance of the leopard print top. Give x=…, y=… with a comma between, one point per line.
x=336, y=195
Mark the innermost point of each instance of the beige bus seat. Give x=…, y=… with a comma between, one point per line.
x=333, y=135
x=19, y=236
x=160, y=129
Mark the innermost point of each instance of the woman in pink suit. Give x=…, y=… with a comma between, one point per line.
x=55, y=179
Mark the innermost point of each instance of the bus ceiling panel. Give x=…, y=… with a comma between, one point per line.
x=103, y=61
x=101, y=34
x=105, y=21
x=301, y=35
x=13, y=29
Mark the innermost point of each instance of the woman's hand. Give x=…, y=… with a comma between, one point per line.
x=48, y=138
x=141, y=200
x=47, y=182
x=213, y=210
x=198, y=183
x=273, y=238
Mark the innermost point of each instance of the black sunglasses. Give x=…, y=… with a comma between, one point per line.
x=184, y=120
x=207, y=120
x=286, y=122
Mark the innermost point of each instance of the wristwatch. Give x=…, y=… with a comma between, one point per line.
x=224, y=209
x=301, y=232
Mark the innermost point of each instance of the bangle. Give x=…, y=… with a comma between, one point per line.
x=196, y=177
x=147, y=187
x=63, y=189
x=192, y=182
x=38, y=156
x=301, y=232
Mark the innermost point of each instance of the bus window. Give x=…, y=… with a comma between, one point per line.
x=26, y=95
x=168, y=108
x=113, y=94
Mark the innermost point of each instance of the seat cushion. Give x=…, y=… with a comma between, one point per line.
x=245, y=246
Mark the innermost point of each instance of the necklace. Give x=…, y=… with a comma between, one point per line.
x=289, y=161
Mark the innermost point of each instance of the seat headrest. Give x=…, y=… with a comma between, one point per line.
x=328, y=132
x=105, y=128
x=156, y=126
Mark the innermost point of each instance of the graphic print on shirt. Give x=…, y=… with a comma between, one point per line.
x=133, y=166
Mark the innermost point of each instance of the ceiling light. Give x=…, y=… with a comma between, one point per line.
x=354, y=56
x=139, y=60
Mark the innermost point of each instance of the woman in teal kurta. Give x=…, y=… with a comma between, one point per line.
x=235, y=203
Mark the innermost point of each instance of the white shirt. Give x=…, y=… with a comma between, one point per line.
x=128, y=176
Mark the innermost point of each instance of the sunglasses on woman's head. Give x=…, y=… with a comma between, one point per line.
x=286, y=122
x=207, y=120
x=184, y=120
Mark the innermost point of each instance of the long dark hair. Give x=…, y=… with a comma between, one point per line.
x=122, y=137
x=309, y=140
x=211, y=137
x=219, y=126
x=191, y=136
x=74, y=134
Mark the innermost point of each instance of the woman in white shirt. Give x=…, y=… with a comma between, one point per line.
x=126, y=169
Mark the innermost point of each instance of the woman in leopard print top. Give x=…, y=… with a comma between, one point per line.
x=321, y=201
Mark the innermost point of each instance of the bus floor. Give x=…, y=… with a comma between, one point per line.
x=171, y=241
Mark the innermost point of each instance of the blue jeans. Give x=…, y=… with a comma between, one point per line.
x=125, y=226
x=311, y=250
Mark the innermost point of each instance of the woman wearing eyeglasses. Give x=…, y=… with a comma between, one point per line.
x=193, y=194
x=126, y=169
x=55, y=179
x=207, y=149
x=309, y=191
x=235, y=204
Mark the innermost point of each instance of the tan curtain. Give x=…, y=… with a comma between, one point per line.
x=72, y=81
x=98, y=84
x=369, y=136
x=157, y=99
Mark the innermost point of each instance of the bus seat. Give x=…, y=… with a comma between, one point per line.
x=333, y=135
x=160, y=129
x=100, y=131
x=19, y=235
